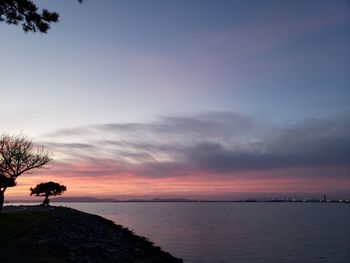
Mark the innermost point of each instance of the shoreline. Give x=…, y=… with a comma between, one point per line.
x=69, y=235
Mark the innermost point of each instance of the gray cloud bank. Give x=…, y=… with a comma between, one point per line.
x=220, y=142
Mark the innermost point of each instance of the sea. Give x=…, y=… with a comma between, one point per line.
x=233, y=232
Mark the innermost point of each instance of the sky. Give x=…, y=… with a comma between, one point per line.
x=188, y=99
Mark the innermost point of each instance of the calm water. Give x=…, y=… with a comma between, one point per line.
x=237, y=232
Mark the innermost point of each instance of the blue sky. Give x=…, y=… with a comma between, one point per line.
x=278, y=63
x=114, y=61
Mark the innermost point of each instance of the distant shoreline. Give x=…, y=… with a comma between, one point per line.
x=182, y=201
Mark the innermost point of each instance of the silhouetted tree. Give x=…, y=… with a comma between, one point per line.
x=26, y=13
x=18, y=156
x=47, y=189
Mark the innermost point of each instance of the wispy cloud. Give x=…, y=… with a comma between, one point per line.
x=219, y=142
x=214, y=155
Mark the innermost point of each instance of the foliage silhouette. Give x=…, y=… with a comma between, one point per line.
x=18, y=156
x=25, y=13
x=47, y=189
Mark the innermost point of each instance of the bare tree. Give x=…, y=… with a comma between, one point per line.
x=18, y=156
x=47, y=189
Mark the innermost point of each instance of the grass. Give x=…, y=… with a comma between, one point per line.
x=13, y=225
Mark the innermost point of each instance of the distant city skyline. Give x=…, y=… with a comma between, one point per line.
x=184, y=99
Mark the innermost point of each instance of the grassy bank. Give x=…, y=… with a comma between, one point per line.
x=13, y=225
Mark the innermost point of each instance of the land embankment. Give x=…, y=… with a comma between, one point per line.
x=59, y=235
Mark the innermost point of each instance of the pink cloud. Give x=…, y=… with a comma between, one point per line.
x=81, y=181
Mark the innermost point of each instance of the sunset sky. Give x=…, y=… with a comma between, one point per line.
x=188, y=98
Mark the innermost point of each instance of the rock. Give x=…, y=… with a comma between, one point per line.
x=82, y=237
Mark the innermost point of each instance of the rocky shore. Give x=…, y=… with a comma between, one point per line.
x=68, y=235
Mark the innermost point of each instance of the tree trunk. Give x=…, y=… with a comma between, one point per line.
x=46, y=201
x=2, y=198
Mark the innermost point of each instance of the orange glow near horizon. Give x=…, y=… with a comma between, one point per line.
x=197, y=185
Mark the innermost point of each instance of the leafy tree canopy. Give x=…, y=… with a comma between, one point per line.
x=47, y=189
x=6, y=182
x=27, y=14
